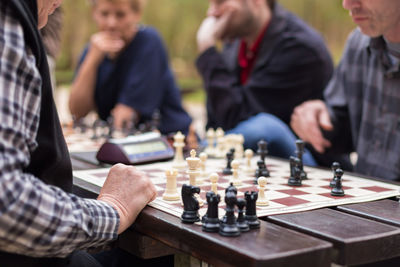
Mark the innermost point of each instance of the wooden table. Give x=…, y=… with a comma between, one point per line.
x=347, y=235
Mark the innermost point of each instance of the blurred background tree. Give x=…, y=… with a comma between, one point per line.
x=178, y=21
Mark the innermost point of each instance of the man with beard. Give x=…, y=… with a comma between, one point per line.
x=271, y=62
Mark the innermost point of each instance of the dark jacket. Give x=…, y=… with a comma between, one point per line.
x=293, y=65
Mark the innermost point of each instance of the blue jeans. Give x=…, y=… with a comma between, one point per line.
x=281, y=140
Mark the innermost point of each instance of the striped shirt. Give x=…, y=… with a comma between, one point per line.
x=364, y=100
x=36, y=219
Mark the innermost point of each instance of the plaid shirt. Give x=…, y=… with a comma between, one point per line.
x=364, y=98
x=36, y=219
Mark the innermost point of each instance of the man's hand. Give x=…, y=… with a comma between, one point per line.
x=124, y=116
x=307, y=121
x=214, y=26
x=206, y=34
x=106, y=43
x=128, y=191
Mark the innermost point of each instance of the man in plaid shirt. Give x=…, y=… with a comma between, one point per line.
x=361, y=111
x=41, y=223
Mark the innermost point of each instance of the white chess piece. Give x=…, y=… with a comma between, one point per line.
x=171, y=192
x=220, y=147
x=239, y=146
x=193, y=172
x=210, y=150
x=262, y=199
x=249, y=155
x=235, y=173
x=203, y=160
x=179, y=143
x=214, y=179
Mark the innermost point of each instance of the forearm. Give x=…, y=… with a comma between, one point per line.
x=81, y=100
x=39, y=220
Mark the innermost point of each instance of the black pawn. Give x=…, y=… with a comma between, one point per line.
x=241, y=222
x=337, y=191
x=261, y=171
x=229, y=159
x=132, y=126
x=262, y=149
x=110, y=125
x=295, y=177
x=232, y=150
x=251, y=212
x=155, y=120
x=299, y=153
x=334, y=167
x=211, y=220
x=190, y=204
x=229, y=227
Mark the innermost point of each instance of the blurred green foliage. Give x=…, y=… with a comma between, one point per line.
x=178, y=21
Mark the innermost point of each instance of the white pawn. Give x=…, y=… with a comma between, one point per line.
x=203, y=160
x=262, y=199
x=235, y=173
x=214, y=179
x=171, y=192
x=220, y=147
x=249, y=155
x=179, y=143
x=210, y=150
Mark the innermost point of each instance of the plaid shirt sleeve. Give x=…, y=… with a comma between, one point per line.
x=36, y=219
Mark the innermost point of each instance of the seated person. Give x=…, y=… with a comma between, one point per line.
x=361, y=111
x=42, y=222
x=271, y=62
x=124, y=72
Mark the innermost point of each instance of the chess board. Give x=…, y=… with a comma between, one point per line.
x=81, y=141
x=314, y=192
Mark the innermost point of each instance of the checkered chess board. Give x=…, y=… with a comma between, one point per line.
x=314, y=192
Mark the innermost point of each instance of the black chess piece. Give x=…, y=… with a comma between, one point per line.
x=210, y=220
x=229, y=159
x=133, y=130
x=241, y=222
x=79, y=125
x=110, y=125
x=251, y=212
x=155, y=120
x=299, y=153
x=261, y=171
x=262, y=149
x=292, y=163
x=232, y=150
x=334, y=167
x=295, y=177
x=229, y=227
x=231, y=188
x=265, y=171
x=97, y=129
x=338, y=191
x=190, y=204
